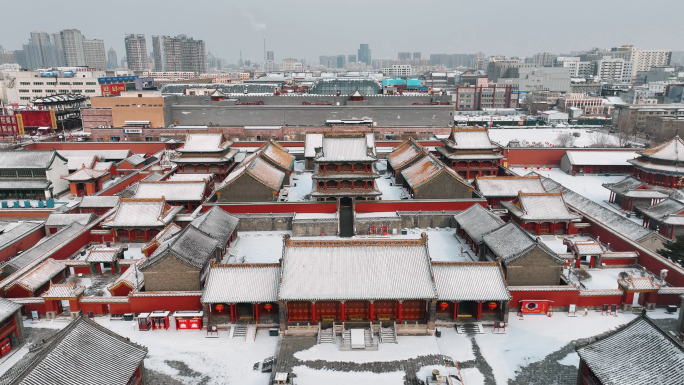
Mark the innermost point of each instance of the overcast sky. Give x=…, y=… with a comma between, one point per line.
x=307, y=29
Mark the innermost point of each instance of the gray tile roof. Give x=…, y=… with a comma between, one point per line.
x=38, y=276
x=356, y=270
x=337, y=149
x=113, y=155
x=540, y=207
x=470, y=281
x=638, y=353
x=217, y=223
x=477, y=221
x=602, y=214
x=33, y=159
x=16, y=230
x=45, y=246
x=57, y=219
x=625, y=185
x=135, y=159
x=510, y=242
x=470, y=139
x=663, y=209
x=81, y=353
x=191, y=246
x=142, y=213
x=204, y=143
x=189, y=191
x=25, y=184
x=7, y=309
x=238, y=283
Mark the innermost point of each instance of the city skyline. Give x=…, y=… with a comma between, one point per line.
x=538, y=32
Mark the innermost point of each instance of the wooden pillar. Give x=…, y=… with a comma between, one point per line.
x=536, y=227
x=313, y=312
x=129, y=235
x=342, y=311
x=372, y=309
x=232, y=312
x=256, y=313
x=400, y=311
x=479, y=310
x=455, y=310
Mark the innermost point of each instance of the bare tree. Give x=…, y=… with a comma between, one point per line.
x=601, y=140
x=565, y=139
x=623, y=139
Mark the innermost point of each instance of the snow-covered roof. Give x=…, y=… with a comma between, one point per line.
x=311, y=143
x=24, y=184
x=58, y=219
x=204, y=143
x=345, y=148
x=508, y=186
x=638, y=353
x=588, y=248
x=63, y=291
x=129, y=279
x=82, y=353
x=477, y=221
x=470, y=281
x=76, y=162
x=602, y=214
x=405, y=153
x=142, y=213
x=638, y=283
x=470, y=139
x=237, y=283
x=114, y=155
x=219, y=158
x=258, y=169
x=8, y=309
x=13, y=231
x=672, y=150
x=45, y=246
x=135, y=160
x=34, y=159
x=600, y=158
x=277, y=154
x=188, y=191
x=427, y=169
x=104, y=254
x=97, y=201
x=356, y=270
x=646, y=194
x=540, y=207
x=85, y=174
x=189, y=177
x=191, y=246
x=510, y=242
x=663, y=209
x=628, y=184
x=217, y=223
x=38, y=276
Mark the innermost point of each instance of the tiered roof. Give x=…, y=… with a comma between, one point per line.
x=81, y=353
x=345, y=148
x=235, y=283
x=356, y=270
x=469, y=144
x=187, y=191
x=470, y=281
x=405, y=153
x=540, y=207
x=277, y=155
x=510, y=242
x=190, y=246
x=508, y=186
x=638, y=353
x=672, y=150
x=427, y=169
x=135, y=212
x=477, y=221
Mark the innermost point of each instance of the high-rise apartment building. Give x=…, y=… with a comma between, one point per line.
x=614, y=70
x=404, y=56
x=179, y=54
x=416, y=56
x=289, y=64
x=94, y=51
x=341, y=61
x=546, y=59
x=40, y=52
x=365, y=54
x=136, y=52
x=112, y=61
x=328, y=61
x=351, y=58
x=70, y=50
x=270, y=56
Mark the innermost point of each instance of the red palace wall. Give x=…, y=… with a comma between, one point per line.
x=541, y=156
x=123, y=184
x=141, y=304
x=416, y=205
x=560, y=298
x=81, y=270
x=101, y=308
x=22, y=244
x=592, y=301
x=671, y=299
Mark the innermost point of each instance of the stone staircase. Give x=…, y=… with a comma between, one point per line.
x=239, y=330
x=326, y=336
x=250, y=336
x=388, y=335
x=474, y=328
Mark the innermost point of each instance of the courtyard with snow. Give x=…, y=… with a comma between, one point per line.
x=535, y=349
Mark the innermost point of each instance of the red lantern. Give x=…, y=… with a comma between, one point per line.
x=444, y=305
x=492, y=305
x=219, y=307
x=268, y=307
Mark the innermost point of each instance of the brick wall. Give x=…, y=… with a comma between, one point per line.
x=443, y=187
x=245, y=189
x=170, y=274
x=535, y=268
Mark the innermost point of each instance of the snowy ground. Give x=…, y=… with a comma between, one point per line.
x=190, y=357
x=406, y=347
x=546, y=136
x=308, y=376
x=555, y=242
x=605, y=278
x=257, y=247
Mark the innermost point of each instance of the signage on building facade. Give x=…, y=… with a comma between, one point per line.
x=132, y=130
